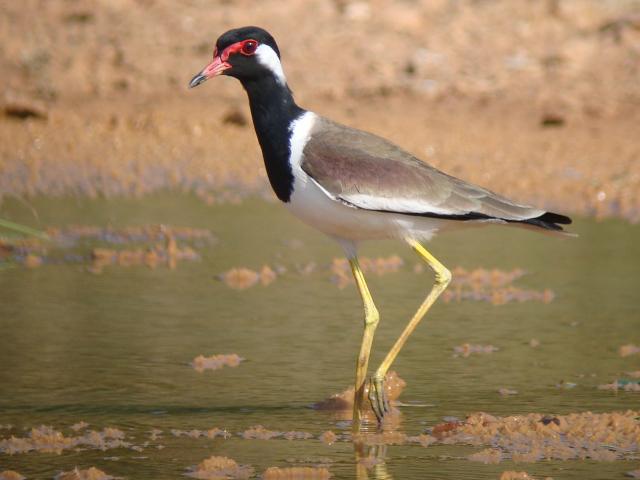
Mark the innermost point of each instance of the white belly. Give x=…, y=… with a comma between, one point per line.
x=315, y=208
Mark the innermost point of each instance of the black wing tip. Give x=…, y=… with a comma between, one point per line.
x=554, y=218
x=549, y=221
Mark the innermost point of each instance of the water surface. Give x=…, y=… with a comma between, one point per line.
x=113, y=349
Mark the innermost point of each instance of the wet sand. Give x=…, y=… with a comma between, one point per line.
x=530, y=438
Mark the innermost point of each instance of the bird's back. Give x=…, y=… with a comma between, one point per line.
x=368, y=172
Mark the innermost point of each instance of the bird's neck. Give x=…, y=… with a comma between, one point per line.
x=273, y=109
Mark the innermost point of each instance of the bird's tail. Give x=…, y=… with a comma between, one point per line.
x=549, y=221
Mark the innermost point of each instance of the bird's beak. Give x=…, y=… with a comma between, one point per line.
x=215, y=68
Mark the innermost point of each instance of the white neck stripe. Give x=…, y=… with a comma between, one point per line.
x=300, y=130
x=267, y=57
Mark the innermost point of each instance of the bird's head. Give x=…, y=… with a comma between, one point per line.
x=247, y=53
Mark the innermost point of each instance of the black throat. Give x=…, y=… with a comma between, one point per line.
x=273, y=109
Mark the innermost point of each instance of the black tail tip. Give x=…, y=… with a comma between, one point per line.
x=551, y=217
x=550, y=221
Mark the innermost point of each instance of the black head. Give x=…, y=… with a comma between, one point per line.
x=247, y=53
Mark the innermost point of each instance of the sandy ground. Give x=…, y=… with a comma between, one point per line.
x=537, y=100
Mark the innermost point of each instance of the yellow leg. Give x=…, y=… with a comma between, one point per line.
x=371, y=318
x=377, y=394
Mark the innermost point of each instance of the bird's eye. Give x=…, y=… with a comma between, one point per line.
x=249, y=47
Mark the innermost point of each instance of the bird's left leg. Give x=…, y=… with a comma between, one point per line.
x=377, y=393
x=371, y=318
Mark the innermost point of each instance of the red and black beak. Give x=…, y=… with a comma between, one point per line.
x=215, y=68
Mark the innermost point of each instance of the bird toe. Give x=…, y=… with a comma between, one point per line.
x=378, y=398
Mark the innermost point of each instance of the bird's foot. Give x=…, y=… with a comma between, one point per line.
x=378, y=397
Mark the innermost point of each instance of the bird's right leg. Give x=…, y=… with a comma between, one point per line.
x=371, y=319
x=377, y=394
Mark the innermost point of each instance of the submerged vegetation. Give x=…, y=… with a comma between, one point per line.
x=100, y=247
x=22, y=229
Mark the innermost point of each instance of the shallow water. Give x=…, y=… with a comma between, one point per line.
x=113, y=349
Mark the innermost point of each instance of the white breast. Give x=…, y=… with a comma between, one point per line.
x=318, y=208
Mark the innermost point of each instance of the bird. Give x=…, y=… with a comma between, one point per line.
x=355, y=186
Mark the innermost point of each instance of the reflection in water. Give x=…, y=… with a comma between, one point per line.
x=371, y=461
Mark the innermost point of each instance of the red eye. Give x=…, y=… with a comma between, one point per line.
x=249, y=47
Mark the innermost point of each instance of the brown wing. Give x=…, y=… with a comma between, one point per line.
x=368, y=172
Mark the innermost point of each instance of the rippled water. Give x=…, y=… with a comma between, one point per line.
x=114, y=349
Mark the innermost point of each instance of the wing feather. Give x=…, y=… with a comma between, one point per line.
x=368, y=172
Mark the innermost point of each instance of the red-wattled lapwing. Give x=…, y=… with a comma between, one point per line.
x=355, y=186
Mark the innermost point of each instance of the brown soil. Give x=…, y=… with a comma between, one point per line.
x=296, y=473
x=11, y=475
x=91, y=473
x=150, y=245
x=534, y=437
x=220, y=467
x=48, y=440
x=537, y=100
x=215, y=362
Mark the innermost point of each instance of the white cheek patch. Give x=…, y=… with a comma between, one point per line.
x=267, y=57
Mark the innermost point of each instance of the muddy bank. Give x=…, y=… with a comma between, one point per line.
x=589, y=167
x=527, y=438
x=538, y=101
